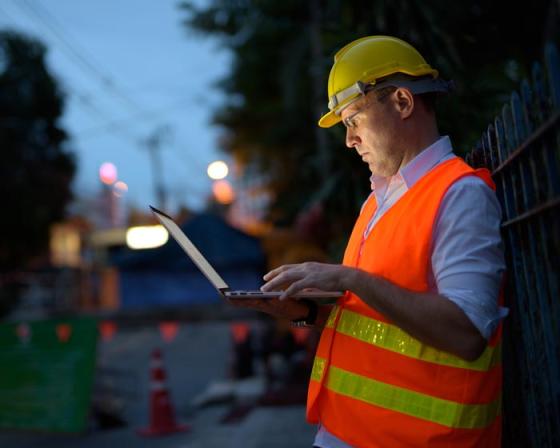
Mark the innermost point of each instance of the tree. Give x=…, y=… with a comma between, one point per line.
x=36, y=168
x=283, y=50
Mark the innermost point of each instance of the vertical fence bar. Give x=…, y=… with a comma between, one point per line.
x=508, y=204
x=553, y=69
x=489, y=136
x=553, y=72
x=541, y=106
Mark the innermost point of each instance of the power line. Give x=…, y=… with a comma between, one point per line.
x=41, y=15
x=77, y=55
x=91, y=108
x=82, y=99
x=116, y=124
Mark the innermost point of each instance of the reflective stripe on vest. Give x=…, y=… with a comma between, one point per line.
x=390, y=337
x=435, y=410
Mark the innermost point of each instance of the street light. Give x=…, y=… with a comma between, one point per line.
x=146, y=237
x=217, y=170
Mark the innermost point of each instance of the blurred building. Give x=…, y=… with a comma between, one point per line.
x=166, y=277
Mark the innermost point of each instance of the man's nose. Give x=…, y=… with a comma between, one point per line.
x=352, y=139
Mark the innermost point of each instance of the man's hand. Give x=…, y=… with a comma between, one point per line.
x=288, y=309
x=297, y=277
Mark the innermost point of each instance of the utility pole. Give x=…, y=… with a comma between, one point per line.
x=153, y=143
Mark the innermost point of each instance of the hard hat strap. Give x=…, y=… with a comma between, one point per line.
x=355, y=89
x=417, y=86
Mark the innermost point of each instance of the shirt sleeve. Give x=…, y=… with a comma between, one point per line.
x=467, y=252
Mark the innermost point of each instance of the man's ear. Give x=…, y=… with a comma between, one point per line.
x=404, y=102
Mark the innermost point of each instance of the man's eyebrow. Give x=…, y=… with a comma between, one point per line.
x=355, y=106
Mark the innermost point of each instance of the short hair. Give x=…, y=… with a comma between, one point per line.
x=382, y=94
x=427, y=99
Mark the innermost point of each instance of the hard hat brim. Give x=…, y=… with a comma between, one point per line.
x=329, y=119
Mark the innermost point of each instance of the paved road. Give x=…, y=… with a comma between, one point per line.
x=198, y=357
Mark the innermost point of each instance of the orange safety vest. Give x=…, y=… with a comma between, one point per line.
x=372, y=384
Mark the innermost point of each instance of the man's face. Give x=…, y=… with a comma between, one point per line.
x=372, y=128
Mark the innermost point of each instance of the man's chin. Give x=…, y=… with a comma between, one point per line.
x=374, y=169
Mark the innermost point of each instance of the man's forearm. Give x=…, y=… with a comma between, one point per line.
x=429, y=317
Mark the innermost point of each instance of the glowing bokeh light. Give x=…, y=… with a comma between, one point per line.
x=120, y=188
x=223, y=192
x=146, y=237
x=217, y=170
x=108, y=173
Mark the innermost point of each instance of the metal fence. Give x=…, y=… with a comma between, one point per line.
x=522, y=149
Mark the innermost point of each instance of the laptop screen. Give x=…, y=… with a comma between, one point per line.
x=191, y=250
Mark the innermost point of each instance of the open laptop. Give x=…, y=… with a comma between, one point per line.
x=218, y=282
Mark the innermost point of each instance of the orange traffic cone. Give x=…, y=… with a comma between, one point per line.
x=162, y=415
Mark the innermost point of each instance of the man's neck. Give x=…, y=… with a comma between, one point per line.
x=419, y=138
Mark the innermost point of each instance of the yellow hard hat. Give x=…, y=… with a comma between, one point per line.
x=362, y=63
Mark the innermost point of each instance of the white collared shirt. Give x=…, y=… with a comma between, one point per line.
x=467, y=255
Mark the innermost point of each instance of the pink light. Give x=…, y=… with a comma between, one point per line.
x=108, y=173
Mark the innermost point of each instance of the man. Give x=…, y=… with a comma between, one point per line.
x=410, y=356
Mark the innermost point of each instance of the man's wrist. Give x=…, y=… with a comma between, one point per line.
x=348, y=278
x=310, y=317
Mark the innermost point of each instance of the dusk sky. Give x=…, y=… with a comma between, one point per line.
x=128, y=68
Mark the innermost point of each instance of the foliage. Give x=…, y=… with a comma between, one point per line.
x=277, y=86
x=36, y=169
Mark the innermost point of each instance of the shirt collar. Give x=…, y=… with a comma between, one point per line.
x=417, y=167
